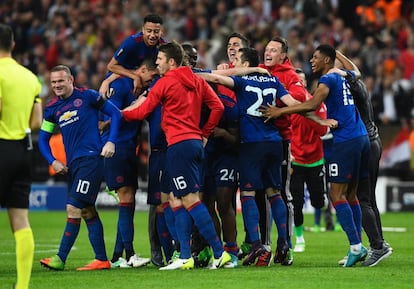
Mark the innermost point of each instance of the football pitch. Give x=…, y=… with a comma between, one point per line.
x=315, y=268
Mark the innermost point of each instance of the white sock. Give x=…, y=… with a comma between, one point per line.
x=300, y=239
x=356, y=249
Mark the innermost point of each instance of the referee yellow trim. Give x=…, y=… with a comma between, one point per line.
x=48, y=126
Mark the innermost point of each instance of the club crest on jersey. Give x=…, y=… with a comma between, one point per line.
x=77, y=102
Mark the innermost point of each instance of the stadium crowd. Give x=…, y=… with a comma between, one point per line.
x=377, y=35
x=83, y=34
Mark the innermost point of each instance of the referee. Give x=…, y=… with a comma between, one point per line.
x=20, y=111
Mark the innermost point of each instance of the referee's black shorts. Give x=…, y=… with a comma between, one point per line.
x=15, y=174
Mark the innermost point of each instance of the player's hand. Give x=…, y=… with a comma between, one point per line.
x=269, y=111
x=104, y=125
x=105, y=90
x=218, y=132
x=108, y=150
x=331, y=123
x=59, y=167
x=205, y=140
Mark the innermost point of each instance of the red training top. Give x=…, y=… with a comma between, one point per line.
x=181, y=94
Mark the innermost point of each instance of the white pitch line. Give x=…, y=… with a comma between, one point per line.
x=385, y=229
x=53, y=249
x=395, y=229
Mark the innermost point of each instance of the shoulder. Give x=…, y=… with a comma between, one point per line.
x=330, y=79
x=86, y=93
x=137, y=37
x=52, y=102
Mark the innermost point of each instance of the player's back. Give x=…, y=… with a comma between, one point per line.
x=18, y=86
x=252, y=91
x=363, y=103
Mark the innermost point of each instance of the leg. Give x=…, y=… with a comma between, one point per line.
x=164, y=235
x=344, y=212
x=315, y=181
x=19, y=222
x=126, y=219
x=297, y=182
x=279, y=214
x=202, y=221
x=368, y=216
x=96, y=238
x=95, y=232
x=265, y=225
x=155, y=244
x=69, y=236
x=71, y=231
x=227, y=216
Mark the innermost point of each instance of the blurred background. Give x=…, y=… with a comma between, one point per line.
x=377, y=35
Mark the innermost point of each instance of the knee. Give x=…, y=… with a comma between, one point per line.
x=318, y=203
x=73, y=212
x=223, y=209
x=89, y=212
x=126, y=194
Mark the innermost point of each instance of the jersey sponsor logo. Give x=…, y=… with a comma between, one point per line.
x=68, y=117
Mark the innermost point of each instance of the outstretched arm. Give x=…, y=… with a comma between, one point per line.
x=319, y=96
x=241, y=71
x=332, y=123
x=219, y=79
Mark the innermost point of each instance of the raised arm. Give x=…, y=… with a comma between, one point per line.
x=348, y=64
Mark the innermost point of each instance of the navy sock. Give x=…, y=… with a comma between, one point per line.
x=345, y=218
x=119, y=246
x=204, y=224
x=69, y=236
x=357, y=214
x=183, y=225
x=170, y=221
x=95, y=233
x=279, y=212
x=126, y=225
x=232, y=248
x=164, y=236
x=250, y=217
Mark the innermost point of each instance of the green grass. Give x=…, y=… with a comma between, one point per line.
x=315, y=268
